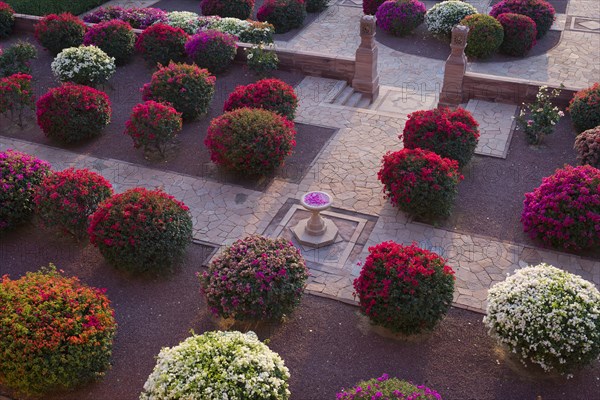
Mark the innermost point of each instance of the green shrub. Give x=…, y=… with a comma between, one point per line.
x=45, y=7
x=587, y=145
x=285, y=15
x=57, y=32
x=584, y=108
x=313, y=6
x=15, y=59
x=7, y=19
x=386, y=388
x=262, y=60
x=241, y=9
x=115, y=38
x=485, y=35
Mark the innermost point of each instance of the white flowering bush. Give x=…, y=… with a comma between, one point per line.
x=218, y=365
x=247, y=31
x=189, y=21
x=84, y=65
x=546, y=316
x=442, y=17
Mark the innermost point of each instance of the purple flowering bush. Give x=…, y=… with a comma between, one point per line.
x=564, y=211
x=212, y=50
x=138, y=18
x=255, y=278
x=400, y=17
x=20, y=175
x=386, y=388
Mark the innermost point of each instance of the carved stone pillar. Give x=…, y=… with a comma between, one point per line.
x=366, y=78
x=454, y=71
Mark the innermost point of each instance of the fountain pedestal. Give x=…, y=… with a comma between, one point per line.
x=316, y=231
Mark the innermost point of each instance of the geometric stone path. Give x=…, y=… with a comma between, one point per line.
x=496, y=121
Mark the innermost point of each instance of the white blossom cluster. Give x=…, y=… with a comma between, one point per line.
x=218, y=366
x=85, y=65
x=546, y=316
x=189, y=21
x=442, y=17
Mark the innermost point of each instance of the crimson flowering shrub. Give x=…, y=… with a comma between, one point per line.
x=57, y=32
x=449, y=133
x=20, y=174
x=564, y=211
x=370, y=6
x=161, y=44
x=212, y=50
x=15, y=96
x=255, y=278
x=386, y=388
x=519, y=34
x=540, y=11
x=250, y=141
x=241, y=9
x=404, y=288
x=400, y=17
x=485, y=35
x=284, y=15
x=188, y=88
x=7, y=19
x=584, y=108
x=587, y=145
x=56, y=332
x=66, y=199
x=141, y=230
x=115, y=38
x=71, y=113
x=153, y=125
x=269, y=94
x=420, y=182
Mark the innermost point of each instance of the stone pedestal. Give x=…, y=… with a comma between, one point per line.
x=366, y=77
x=324, y=235
x=454, y=71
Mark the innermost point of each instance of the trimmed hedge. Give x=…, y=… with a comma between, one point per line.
x=44, y=7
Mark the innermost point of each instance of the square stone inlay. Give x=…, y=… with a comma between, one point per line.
x=584, y=24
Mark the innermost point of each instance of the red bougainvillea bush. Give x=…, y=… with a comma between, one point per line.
x=7, y=19
x=451, y=134
x=284, y=15
x=564, y=211
x=66, y=199
x=56, y=32
x=115, y=38
x=71, y=113
x=255, y=278
x=212, y=50
x=56, y=333
x=540, y=11
x=15, y=96
x=269, y=94
x=404, y=288
x=587, y=145
x=153, y=125
x=386, y=388
x=584, y=108
x=241, y=9
x=141, y=230
x=161, y=44
x=420, y=182
x=519, y=34
x=250, y=141
x=400, y=17
x=20, y=174
x=188, y=88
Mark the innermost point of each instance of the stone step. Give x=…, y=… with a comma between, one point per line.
x=354, y=99
x=343, y=97
x=364, y=102
x=335, y=91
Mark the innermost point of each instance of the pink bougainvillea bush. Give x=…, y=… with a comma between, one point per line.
x=138, y=18
x=404, y=288
x=212, y=50
x=284, y=15
x=251, y=141
x=241, y=9
x=540, y=11
x=7, y=19
x=141, y=230
x=420, y=182
x=255, y=278
x=400, y=17
x=20, y=174
x=161, y=44
x=564, y=211
x=71, y=113
x=16, y=95
x=584, y=108
x=386, y=388
x=115, y=38
x=65, y=199
x=153, y=125
x=519, y=34
x=269, y=94
x=56, y=332
x=56, y=32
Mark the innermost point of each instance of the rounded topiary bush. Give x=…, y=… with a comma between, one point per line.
x=385, y=387
x=540, y=11
x=250, y=141
x=405, y=289
x=284, y=15
x=188, y=88
x=400, y=17
x=420, y=182
x=485, y=35
x=212, y=50
x=313, y=6
x=7, y=19
x=442, y=17
x=16, y=94
x=255, y=278
x=189, y=21
x=71, y=113
x=84, y=65
x=57, y=32
x=546, y=316
x=370, y=6
x=138, y=18
x=584, y=108
x=241, y=9
x=450, y=133
x=564, y=211
x=230, y=365
x=56, y=333
x=161, y=44
x=269, y=94
x=153, y=126
x=66, y=199
x=115, y=38
x=519, y=34
x=587, y=145
x=20, y=174
x=141, y=230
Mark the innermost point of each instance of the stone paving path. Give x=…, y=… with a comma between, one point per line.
x=495, y=126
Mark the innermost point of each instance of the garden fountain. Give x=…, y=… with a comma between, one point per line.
x=316, y=231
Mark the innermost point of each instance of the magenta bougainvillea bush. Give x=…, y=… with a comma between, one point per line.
x=255, y=278
x=138, y=18
x=386, y=388
x=16, y=95
x=56, y=32
x=519, y=34
x=153, y=125
x=7, y=19
x=241, y=9
x=564, y=211
x=269, y=94
x=400, y=17
x=161, y=44
x=212, y=50
x=404, y=288
x=540, y=11
x=584, y=108
x=284, y=15
x=65, y=199
x=115, y=38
